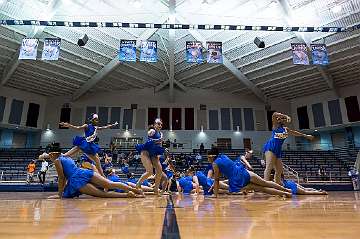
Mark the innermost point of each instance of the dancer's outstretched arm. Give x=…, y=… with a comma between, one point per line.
x=297, y=133
x=107, y=126
x=197, y=185
x=61, y=177
x=65, y=124
x=217, y=179
x=247, y=164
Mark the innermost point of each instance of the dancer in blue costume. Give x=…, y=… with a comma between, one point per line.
x=297, y=189
x=188, y=183
x=73, y=181
x=146, y=187
x=87, y=163
x=244, y=159
x=150, y=154
x=240, y=178
x=272, y=148
x=87, y=143
x=168, y=172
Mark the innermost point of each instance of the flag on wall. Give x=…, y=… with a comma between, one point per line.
x=127, y=50
x=148, y=51
x=28, y=50
x=319, y=54
x=300, y=55
x=214, y=52
x=194, y=52
x=51, y=49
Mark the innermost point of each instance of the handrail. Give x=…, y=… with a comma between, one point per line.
x=292, y=172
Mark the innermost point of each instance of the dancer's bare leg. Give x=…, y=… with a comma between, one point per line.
x=146, y=162
x=256, y=179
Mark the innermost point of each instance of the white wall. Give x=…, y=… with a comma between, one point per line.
x=147, y=98
x=27, y=97
x=323, y=98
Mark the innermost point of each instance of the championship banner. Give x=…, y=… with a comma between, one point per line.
x=214, y=52
x=300, y=56
x=148, y=51
x=51, y=49
x=127, y=50
x=28, y=50
x=194, y=52
x=319, y=54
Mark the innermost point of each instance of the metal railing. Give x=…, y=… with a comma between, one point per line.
x=330, y=178
x=289, y=171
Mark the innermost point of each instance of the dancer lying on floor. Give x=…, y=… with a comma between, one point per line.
x=74, y=181
x=240, y=178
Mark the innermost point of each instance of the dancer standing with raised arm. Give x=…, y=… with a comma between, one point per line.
x=87, y=143
x=272, y=147
x=150, y=154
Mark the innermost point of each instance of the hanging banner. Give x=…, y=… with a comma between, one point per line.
x=28, y=50
x=300, y=55
x=148, y=51
x=51, y=49
x=127, y=50
x=214, y=52
x=319, y=54
x=194, y=52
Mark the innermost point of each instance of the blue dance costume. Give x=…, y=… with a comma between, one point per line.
x=165, y=168
x=76, y=177
x=134, y=181
x=116, y=179
x=86, y=163
x=238, y=176
x=289, y=184
x=152, y=145
x=90, y=148
x=275, y=143
x=205, y=182
x=186, y=184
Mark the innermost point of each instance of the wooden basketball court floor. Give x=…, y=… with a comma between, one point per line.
x=31, y=215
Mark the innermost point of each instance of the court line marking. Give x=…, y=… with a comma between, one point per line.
x=170, y=227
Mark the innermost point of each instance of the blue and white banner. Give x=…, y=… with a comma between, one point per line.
x=194, y=52
x=51, y=49
x=148, y=51
x=28, y=50
x=214, y=52
x=127, y=50
x=319, y=54
x=300, y=54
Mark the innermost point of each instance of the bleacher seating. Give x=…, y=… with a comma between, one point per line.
x=13, y=163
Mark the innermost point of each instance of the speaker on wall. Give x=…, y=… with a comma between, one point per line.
x=202, y=107
x=259, y=43
x=83, y=40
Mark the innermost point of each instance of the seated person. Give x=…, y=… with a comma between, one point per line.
x=188, y=183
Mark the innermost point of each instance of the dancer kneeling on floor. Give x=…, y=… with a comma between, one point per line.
x=74, y=181
x=240, y=178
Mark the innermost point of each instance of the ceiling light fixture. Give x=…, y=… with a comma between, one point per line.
x=136, y=3
x=336, y=9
